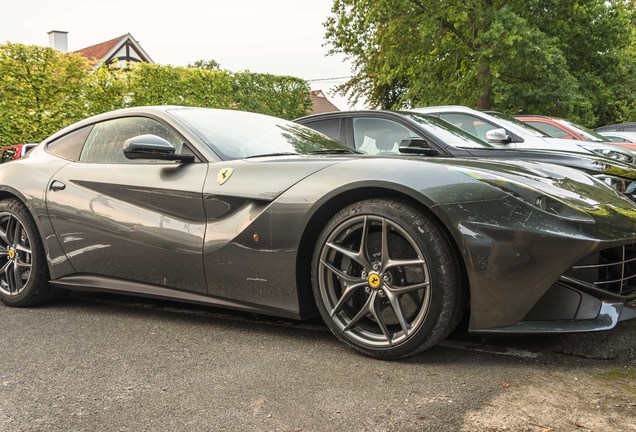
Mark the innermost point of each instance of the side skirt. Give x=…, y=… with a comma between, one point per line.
x=103, y=284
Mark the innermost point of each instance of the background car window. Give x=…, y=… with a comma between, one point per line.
x=618, y=138
x=551, y=130
x=330, y=127
x=472, y=125
x=588, y=134
x=70, y=145
x=375, y=135
x=615, y=138
x=447, y=133
x=8, y=154
x=106, y=140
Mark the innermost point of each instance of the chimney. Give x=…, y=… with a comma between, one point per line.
x=58, y=40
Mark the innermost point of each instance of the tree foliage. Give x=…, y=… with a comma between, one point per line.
x=43, y=90
x=281, y=96
x=40, y=91
x=205, y=64
x=575, y=59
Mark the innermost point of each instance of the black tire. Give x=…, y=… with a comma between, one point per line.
x=390, y=298
x=24, y=274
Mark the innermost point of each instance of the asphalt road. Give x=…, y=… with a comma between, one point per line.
x=94, y=362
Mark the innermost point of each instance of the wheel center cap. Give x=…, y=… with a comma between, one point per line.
x=11, y=253
x=374, y=280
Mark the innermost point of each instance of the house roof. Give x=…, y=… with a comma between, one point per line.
x=320, y=103
x=105, y=51
x=100, y=50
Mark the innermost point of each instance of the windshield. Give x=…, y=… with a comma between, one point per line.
x=588, y=134
x=518, y=123
x=237, y=134
x=446, y=132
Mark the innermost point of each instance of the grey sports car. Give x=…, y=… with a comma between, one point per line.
x=251, y=212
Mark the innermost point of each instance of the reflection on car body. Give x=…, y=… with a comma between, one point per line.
x=389, y=251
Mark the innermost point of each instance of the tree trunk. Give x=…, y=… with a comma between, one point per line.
x=484, y=82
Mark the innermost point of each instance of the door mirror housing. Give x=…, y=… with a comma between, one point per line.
x=152, y=147
x=417, y=146
x=498, y=136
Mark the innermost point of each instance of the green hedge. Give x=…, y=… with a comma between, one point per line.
x=43, y=90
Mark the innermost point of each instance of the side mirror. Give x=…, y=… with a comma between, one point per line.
x=498, y=136
x=417, y=146
x=152, y=147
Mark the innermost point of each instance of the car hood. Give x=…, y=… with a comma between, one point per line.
x=589, y=146
x=570, y=186
x=589, y=162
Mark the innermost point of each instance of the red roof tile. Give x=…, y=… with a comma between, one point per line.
x=100, y=50
x=320, y=103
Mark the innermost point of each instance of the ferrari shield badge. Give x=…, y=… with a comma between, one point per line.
x=224, y=175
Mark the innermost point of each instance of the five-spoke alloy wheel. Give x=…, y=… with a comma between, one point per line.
x=384, y=279
x=23, y=271
x=15, y=255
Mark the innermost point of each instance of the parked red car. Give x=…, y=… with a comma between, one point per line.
x=13, y=152
x=565, y=129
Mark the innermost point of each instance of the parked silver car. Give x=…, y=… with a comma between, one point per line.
x=505, y=131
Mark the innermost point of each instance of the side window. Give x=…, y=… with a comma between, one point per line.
x=330, y=127
x=105, y=142
x=551, y=130
x=473, y=125
x=8, y=154
x=375, y=135
x=612, y=138
x=70, y=145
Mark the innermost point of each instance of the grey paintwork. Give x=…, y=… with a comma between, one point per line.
x=172, y=230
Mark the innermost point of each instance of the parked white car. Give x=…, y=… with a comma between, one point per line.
x=505, y=131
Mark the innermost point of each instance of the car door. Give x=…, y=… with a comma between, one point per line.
x=133, y=220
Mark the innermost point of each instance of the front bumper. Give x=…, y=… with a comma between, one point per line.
x=531, y=272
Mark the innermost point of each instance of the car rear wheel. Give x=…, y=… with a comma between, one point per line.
x=385, y=279
x=23, y=270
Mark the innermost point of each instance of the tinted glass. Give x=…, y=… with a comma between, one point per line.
x=447, y=133
x=236, y=134
x=105, y=143
x=551, y=130
x=615, y=138
x=70, y=145
x=376, y=135
x=518, y=123
x=473, y=125
x=588, y=134
x=330, y=127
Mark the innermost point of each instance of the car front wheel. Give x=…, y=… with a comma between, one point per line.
x=385, y=279
x=23, y=270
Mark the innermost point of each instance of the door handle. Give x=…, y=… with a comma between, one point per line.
x=57, y=185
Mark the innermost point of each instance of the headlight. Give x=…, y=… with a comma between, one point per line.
x=614, y=154
x=530, y=195
x=622, y=185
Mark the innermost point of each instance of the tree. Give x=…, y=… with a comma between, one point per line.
x=280, y=96
x=40, y=91
x=545, y=56
x=205, y=64
x=43, y=90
